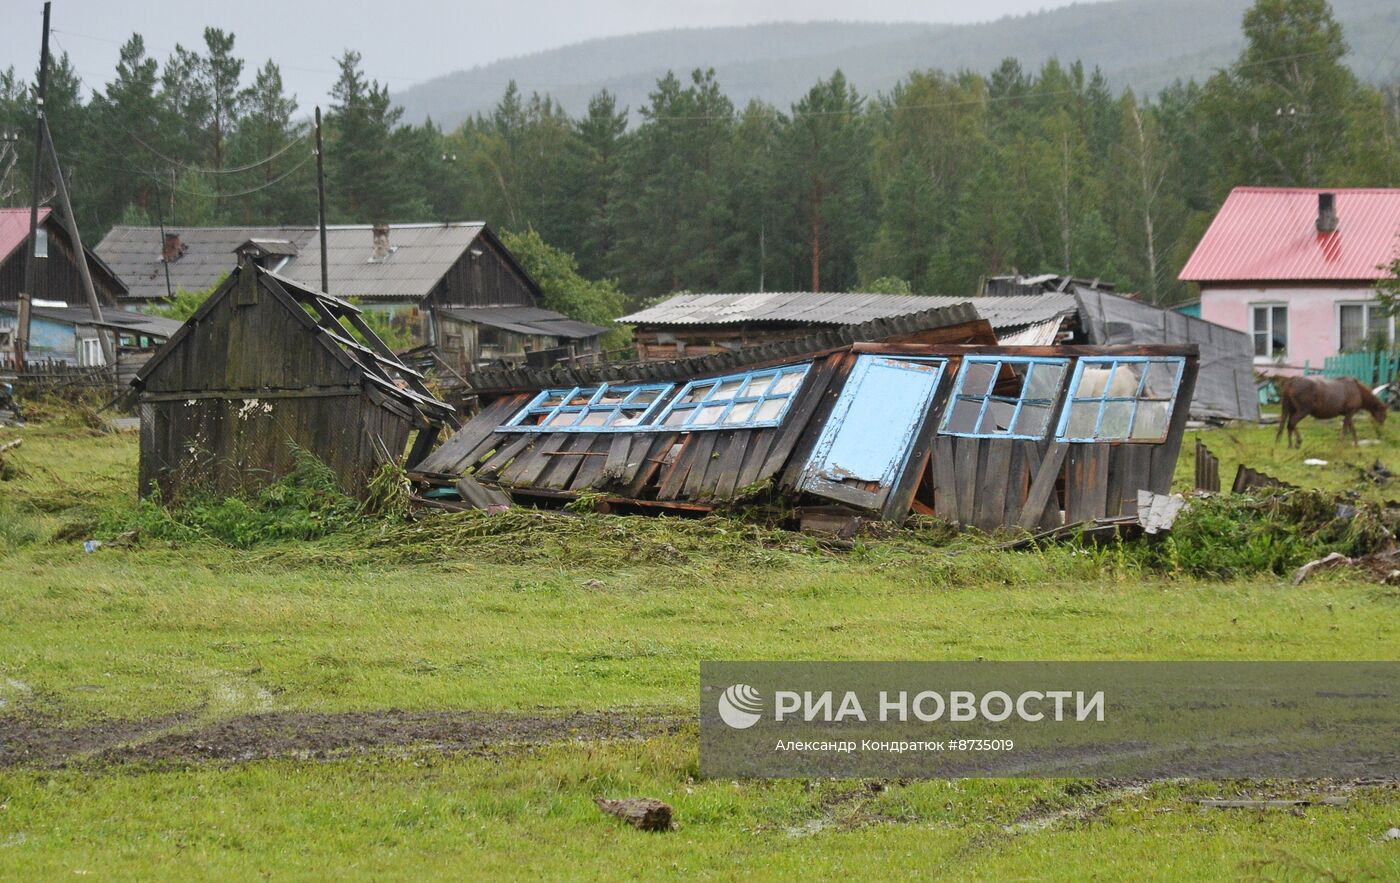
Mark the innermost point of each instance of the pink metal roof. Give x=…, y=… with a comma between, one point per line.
x=1270, y=234
x=14, y=228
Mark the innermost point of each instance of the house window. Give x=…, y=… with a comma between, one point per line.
x=1363, y=326
x=740, y=401
x=1270, y=330
x=1125, y=399
x=1004, y=397
x=41, y=243
x=90, y=352
x=589, y=409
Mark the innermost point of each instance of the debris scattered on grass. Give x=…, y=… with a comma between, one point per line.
x=1215, y=803
x=1335, y=559
x=642, y=813
x=1313, y=461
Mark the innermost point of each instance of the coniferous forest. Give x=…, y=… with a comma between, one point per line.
x=947, y=178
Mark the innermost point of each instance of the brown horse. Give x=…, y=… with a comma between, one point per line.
x=1325, y=398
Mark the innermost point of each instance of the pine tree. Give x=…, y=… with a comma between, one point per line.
x=827, y=158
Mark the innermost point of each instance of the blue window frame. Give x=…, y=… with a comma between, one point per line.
x=1124, y=398
x=1019, y=408
x=750, y=400
x=602, y=408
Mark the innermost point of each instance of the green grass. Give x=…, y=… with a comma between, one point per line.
x=1255, y=447
x=534, y=613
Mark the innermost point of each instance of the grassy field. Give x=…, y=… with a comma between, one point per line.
x=150, y=642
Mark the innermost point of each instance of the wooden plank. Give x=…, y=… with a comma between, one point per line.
x=1098, y=480
x=505, y=455
x=1077, y=506
x=648, y=462
x=1164, y=455
x=844, y=493
x=1016, y=483
x=533, y=464
x=990, y=508
x=965, y=465
x=945, y=483
x=727, y=467
x=1043, y=486
x=561, y=469
x=673, y=475
x=618, y=449
x=755, y=454
x=1118, y=457
x=799, y=432
x=591, y=469
x=695, y=478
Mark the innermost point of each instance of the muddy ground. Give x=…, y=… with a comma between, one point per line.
x=31, y=741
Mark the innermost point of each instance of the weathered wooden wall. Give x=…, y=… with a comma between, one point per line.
x=490, y=280
x=231, y=445
x=244, y=384
x=56, y=277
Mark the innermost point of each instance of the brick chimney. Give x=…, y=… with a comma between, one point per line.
x=1326, y=212
x=171, y=248
x=381, y=242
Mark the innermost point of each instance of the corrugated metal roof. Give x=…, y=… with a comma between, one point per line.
x=14, y=228
x=492, y=380
x=1270, y=234
x=837, y=308
x=525, y=320
x=421, y=255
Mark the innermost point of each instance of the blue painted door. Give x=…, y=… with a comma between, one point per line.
x=865, y=445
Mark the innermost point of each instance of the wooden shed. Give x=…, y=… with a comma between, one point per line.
x=265, y=367
x=989, y=436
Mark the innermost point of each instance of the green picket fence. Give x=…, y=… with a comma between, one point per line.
x=1372, y=369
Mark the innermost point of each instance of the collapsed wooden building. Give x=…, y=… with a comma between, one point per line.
x=265, y=368
x=975, y=433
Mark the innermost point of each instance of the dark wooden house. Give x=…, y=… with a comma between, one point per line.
x=57, y=280
x=982, y=435
x=265, y=367
x=454, y=287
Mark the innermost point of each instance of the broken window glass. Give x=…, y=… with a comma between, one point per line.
x=590, y=408
x=742, y=401
x=1127, y=398
x=1004, y=396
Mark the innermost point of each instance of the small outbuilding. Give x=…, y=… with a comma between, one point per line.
x=267, y=367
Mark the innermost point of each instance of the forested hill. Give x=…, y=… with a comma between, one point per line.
x=1145, y=44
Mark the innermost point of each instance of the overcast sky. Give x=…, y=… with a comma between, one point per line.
x=407, y=41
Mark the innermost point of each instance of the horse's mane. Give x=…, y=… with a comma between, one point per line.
x=1369, y=400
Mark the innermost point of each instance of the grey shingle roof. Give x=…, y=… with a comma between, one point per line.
x=525, y=320
x=421, y=254
x=838, y=308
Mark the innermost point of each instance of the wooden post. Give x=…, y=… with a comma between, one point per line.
x=30, y=268
x=321, y=201
x=109, y=350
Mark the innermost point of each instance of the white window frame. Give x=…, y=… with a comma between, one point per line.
x=1287, y=329
x=90, y=352
x=1367, y=306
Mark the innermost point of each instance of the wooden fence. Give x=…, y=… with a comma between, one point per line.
x=1371, y=368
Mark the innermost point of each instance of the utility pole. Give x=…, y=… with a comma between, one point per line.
x=160, y=219
x=321, y=199
x=30, y=267
x=109, y=349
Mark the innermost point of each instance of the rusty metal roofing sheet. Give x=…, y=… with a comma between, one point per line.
x=836, y=308
x=1270, y=233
